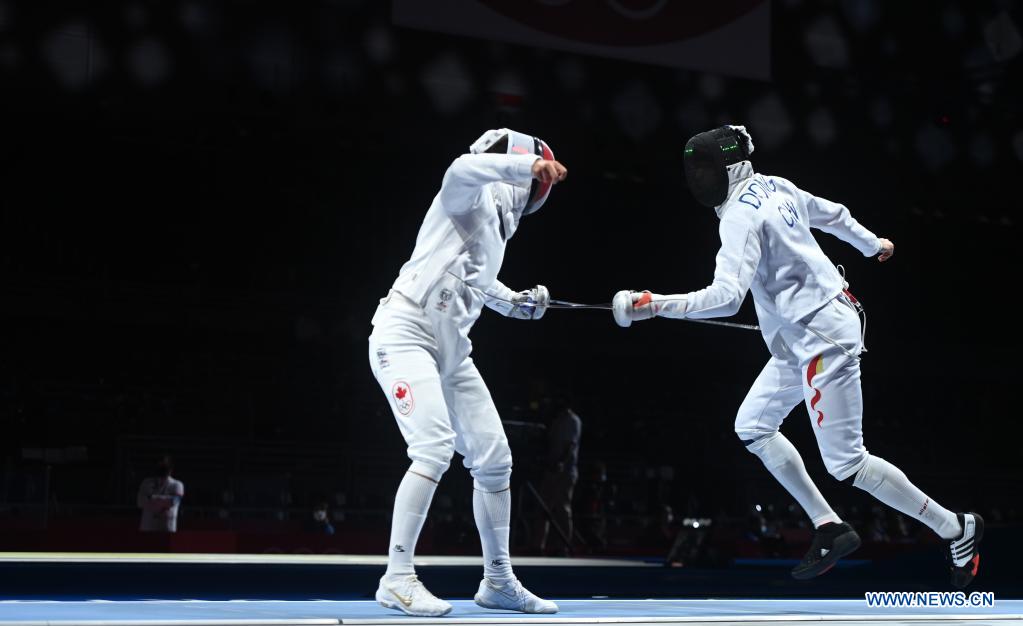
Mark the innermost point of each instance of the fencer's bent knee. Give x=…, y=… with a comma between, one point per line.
x=872, y=474
x=492, y=466
x=850, y=466
x=433, y=458
x=771, y=455
x=428, y=469
x=749, y=435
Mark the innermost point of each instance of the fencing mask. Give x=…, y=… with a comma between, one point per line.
x=707, y=157
x=505, y=141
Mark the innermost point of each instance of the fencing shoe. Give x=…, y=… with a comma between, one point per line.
x=830, y=542
x=408, y=595
x=512, y=596
x=963, y=553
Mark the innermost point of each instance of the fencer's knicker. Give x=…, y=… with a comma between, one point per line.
x=420, y=358
x=827, y=379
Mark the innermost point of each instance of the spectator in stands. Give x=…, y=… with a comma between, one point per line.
x=159, y=498
x=660, y=532
x=596, y=501
x=320, y=522
x=562, y=473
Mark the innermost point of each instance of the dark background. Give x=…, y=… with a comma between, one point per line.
x=202, y=203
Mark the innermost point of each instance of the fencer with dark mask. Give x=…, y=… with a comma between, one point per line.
x=811, y=325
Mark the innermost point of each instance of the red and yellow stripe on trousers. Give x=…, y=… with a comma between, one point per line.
x=816, y=367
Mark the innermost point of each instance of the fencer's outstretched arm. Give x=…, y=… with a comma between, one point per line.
x=835, y=219
x=469, y=172
x=496, y=294
x=737, y=262
x=530, y=304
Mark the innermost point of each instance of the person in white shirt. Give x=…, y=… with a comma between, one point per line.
x=811, y=325
x=419, y=352
x=159, y=497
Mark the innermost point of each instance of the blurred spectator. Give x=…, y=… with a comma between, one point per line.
x=159, y=498
x=763, y=530
x=320, y=522
x=559, y=480
x=878, y=528
x=660, y=531
x=595, y=502
x=691, y=544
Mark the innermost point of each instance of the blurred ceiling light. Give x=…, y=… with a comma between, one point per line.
x=820, y=125
x=571, y=73
x=952, y=20
x=196, y=17
x=135, y=16
x=272, y=60
x=861, y=14
x=379, y=43
x=10, y=57
x=509, y=91
x=982, y=150
x=1017, y=144
x=769, y=121
x=149, y=62
x=935, y=147
x=637, y=110
x=693, y=117
x=711, y=87
x=341, y=73
x=826, y=44
x=447, y=83
x=74, y=56
x=1002, y=37
x=881, y=112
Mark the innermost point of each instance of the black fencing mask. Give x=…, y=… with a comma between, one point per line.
x=707, y=157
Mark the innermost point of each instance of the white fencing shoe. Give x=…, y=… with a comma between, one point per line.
x=408, y=595
x=512, y=596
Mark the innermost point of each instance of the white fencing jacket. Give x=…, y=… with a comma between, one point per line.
x=767, y=247
x=466, y=228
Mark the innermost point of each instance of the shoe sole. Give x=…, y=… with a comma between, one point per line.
x=967, y=578
x=398, y=606
x=845, y=544
x=482, y=604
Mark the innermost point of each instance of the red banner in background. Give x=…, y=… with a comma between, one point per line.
x=723, y=36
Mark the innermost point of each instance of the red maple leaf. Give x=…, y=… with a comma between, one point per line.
x=400, y=392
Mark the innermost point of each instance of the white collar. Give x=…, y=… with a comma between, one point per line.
x=737, y=174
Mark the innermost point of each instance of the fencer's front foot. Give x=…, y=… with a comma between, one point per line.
x=830, y=542
x=512, y=596
x=411, y=597
x=963, y=551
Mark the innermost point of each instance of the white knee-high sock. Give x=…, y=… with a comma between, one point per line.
x=410, y=506
x=889, y=484
x=493, y=519
x=783, y=461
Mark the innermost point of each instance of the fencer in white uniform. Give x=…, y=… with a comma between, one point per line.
x=419, y=352
x=811, y=325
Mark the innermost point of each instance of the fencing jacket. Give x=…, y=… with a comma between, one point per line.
x=466, y=228
x=767, y=247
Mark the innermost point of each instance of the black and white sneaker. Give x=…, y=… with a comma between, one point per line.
x=830, y=542
x=963, y=553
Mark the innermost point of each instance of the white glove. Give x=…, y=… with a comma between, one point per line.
x=530, y=304
x=745, y=137
x=629, y=306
